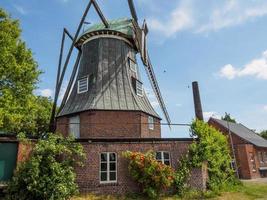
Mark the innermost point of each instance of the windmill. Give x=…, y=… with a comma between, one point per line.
x=105, y=75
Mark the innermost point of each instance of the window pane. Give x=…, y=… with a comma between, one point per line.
x=112, y=157
x=167, y=162
x=103, y=176
x=112, y=166
x=74, y=126
x=103, y=157
x=112, y=176
x=103, y=166
x=166, y=155
x=158, y=156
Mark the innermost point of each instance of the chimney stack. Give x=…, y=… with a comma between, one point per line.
x=197, y=101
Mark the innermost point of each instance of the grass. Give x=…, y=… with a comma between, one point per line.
x=248, y=191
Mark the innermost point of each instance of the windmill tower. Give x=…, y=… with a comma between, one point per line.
x=105, y=95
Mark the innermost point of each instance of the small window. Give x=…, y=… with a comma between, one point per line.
x=132, y=65
x=150, y=122
x=74, y=126
x=261, y=157
x=163, y=157
x=83, y=85
x=252, y=160
x=108, y=167
x=139, y=88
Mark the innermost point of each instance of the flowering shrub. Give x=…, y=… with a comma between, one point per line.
x=148, y=172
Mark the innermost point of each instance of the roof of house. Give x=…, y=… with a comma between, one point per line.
x=243, y=132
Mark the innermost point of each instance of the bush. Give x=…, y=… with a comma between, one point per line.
x=181, y=175
x=152, y=175
x=212, y=146
x=49, y=172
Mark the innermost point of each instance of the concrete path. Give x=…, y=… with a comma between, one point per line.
x=256, y=180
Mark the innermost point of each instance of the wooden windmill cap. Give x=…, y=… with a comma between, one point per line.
x=123, y=27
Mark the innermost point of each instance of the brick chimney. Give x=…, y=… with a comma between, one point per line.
x=197, y=101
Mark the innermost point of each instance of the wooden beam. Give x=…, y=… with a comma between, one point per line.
x=100, y=14
x=132, y=9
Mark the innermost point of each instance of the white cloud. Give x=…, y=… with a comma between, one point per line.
x=180, y=19
x=257, y=67
x=45, y=92
x=232, y=13
x=209, y=114
x=20, y=9
x=265, y=107
x=192, y=15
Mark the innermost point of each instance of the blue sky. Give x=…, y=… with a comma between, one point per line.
x=221, y=44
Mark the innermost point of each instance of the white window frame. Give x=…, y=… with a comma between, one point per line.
x=138, y=88
x=151, y=122
x=162, y=160
x=78, y=85
x=108, y=167
x=74, y=124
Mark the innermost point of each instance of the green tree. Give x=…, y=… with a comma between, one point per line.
x=49, y=172
x=227, y=117
x=20, y=109
x=264, y=134
x=212, y=147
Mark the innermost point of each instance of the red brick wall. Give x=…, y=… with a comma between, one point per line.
x=24, y=151
x=148, y=133
x=112, y=124
x=88, y=176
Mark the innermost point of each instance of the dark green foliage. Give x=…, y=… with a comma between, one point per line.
x=227, y=117
x=181, y=175
x=264, y=134
x=212, y=146
x=49, y=173
x=20, y=109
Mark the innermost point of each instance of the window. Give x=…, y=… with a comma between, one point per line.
x=83, y=85
x=261, y=157
x=252, y=160
x=139, y=88
x=132, y=65
x=163, y=157
x=74, y=126
x=108, y=167
x=150, y=122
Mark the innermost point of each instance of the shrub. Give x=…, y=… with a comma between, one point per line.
x=152, y=175
x=212, y=146
x=182, y=174
x=49, y=172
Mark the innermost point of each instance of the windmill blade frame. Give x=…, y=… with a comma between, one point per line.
x=132, y=10
x=155, y=87
x=61, y=74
